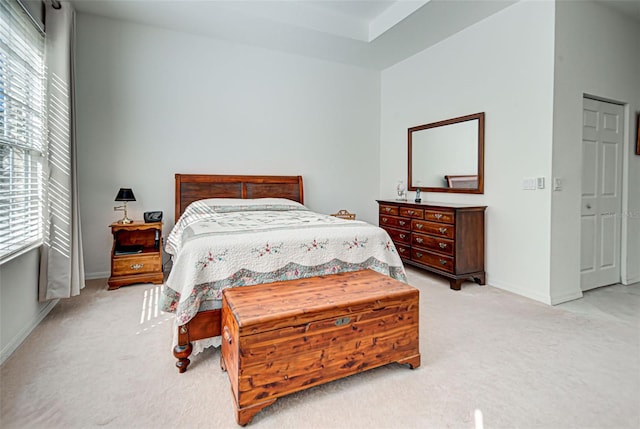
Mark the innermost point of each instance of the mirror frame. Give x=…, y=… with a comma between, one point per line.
x=480, y=188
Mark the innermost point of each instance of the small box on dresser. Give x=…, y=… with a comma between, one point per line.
x=444, y=238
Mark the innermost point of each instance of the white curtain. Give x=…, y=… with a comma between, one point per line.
x=61, y=261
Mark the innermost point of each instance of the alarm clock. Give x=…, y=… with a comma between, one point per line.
x=153, y=216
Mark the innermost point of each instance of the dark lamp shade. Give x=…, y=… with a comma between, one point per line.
x=125, y=194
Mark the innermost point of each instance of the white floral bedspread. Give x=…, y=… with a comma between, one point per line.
x=220, y=243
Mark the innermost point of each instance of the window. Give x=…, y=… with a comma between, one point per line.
x=22, y=130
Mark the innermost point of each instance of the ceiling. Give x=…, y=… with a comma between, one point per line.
x=366, y=33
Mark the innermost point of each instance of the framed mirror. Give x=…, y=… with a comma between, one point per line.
x=448, y=156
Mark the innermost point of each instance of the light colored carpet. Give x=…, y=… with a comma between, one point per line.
x=97, y=361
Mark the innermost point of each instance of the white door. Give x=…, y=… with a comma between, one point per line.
x=602, y=134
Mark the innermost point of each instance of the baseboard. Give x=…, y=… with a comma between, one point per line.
x=631, y=281
x=93, y=276
x=518, y=290
x=24, y=333
x=571, y=296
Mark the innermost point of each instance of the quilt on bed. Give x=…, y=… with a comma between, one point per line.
x=220, y=243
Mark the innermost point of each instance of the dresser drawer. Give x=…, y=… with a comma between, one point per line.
x=389, y=210
x=399, y=236
x=138, y=264
x=433, y=228
x=440, y=262
x=429, y=242
x=403, y=251
x=411, y=212
x=439, y=216
x=395, y=222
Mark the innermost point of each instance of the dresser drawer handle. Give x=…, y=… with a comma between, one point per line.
x=387, y=209
x=401, y=250
x=402, y=223
x=419, y=255
x=442, y=245
x=419, y=226
x=385, y=220
x=403, y=236
x=442, y=230
x=419, y=240
x=437, y=216
x=226, y=334
x=443, y=262
x=136, y=266
x=410, y=212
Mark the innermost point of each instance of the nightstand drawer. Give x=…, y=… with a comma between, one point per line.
x=136, y=264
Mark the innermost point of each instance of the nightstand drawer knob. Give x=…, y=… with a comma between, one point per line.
x=136, y=266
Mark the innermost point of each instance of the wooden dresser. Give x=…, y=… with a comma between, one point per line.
x=447, y=239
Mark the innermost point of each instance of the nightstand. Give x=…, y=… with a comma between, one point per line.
x=136, y=254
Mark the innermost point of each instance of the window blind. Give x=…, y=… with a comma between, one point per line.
x=22, y=130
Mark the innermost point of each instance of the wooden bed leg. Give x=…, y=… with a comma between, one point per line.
x=182, y=353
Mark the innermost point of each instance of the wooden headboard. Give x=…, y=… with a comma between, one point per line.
x=193, y=187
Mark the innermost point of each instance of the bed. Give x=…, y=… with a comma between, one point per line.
x=236, y=230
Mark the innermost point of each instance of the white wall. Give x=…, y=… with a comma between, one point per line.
x=502, y=66
x=20, y=311
x=152, y=103
x=596, y=54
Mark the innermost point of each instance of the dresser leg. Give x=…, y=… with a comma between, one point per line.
x=455, y=283
x=480, y=279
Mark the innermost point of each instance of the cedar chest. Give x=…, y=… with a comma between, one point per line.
x=282, y=337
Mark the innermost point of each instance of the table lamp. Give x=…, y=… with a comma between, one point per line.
x=124, y=195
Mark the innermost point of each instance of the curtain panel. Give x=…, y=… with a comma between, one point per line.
x=61, y=261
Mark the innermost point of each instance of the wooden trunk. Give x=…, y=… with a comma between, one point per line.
x=283, y=337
